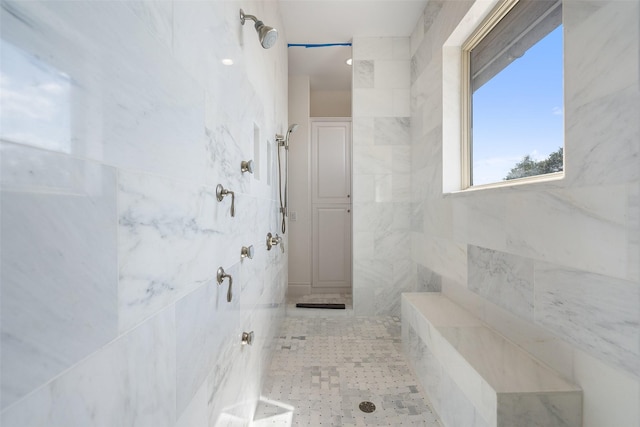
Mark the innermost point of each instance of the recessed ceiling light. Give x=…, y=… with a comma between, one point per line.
x=227, y=61
x=349, y=61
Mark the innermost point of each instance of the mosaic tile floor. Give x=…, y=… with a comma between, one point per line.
x=323, y=367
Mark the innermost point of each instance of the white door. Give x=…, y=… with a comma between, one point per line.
x=331, y=205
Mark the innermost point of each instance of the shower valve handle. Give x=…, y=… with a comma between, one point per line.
x=273, y=241
x=221, y=192
x=220, y=276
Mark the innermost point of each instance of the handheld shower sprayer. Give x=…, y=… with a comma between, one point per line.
x=283, y=141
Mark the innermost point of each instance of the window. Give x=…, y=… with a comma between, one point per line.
x=513, y=126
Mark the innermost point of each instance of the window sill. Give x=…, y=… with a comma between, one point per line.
x=534, y=182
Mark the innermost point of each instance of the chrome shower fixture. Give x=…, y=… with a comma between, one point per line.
x=267, y=35
x=283, y=141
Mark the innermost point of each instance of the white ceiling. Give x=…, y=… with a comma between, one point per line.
x=338, y=21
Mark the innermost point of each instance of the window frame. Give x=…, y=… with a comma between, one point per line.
x=466, y=113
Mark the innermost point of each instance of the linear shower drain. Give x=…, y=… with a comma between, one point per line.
x=367, y=407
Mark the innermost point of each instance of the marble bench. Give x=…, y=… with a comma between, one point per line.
x=476, y=377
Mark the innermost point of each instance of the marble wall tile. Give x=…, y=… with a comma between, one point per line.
x=383, y=188
x=610, y=396
x=400, y=159
x=173, y=122
x=597, y=313
x=401, y=188
x=401, y=102
x=634, y=230
x=401, y=48
x=372, y=216
x=585, y=223
x=128, y=382
x=438, y=219
x=452, y=406
x=363, y=72
x=419, y=60
x=167, y=236
x=196, y=413
x=138, y=111
x=401, y=217
x=445, y=257
x=363, y=130
x=59, y=264
x=364, y=188
x=391, y=245
x=504, y=279
x=584, y=228
x=392, y=130
x=592, y=73
x=391, y=74
x=377, y=273
x=480, y=220
x=417, y=215
x=204, y=322
x=595, y=161
x=363, y=244
x=428, y=281
x=417, y=36
x=531, y=409
x=373, y=102
x=157, y=16
x=372, y=160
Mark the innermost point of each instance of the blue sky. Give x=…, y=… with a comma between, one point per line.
x=519, y=111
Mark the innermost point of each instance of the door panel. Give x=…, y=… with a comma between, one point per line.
x=331, y=162
x=331, y=206
x=332, y=246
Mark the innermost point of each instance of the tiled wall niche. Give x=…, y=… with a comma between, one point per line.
x=118, y=122
x=553, y=266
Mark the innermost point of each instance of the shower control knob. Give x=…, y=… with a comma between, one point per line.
x=246, y=166
x=247, y=252
x=247, y=338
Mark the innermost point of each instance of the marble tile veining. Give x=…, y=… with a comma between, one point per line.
x=118, y=121
x=169, y=225
x=504, y=279
x=597, y=313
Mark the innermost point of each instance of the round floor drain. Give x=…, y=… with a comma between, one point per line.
x=367, y=407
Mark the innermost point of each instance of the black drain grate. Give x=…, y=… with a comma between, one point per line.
x=367, y=407
x=320, y=305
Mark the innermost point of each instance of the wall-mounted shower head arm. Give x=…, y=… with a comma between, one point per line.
x=267, y=35
x=244, y=17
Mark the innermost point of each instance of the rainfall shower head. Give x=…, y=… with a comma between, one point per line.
x=267, y=35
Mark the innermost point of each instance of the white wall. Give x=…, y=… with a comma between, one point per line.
x=118, y=122
x=330, y=103
x=299, y=188
x=553, y=266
